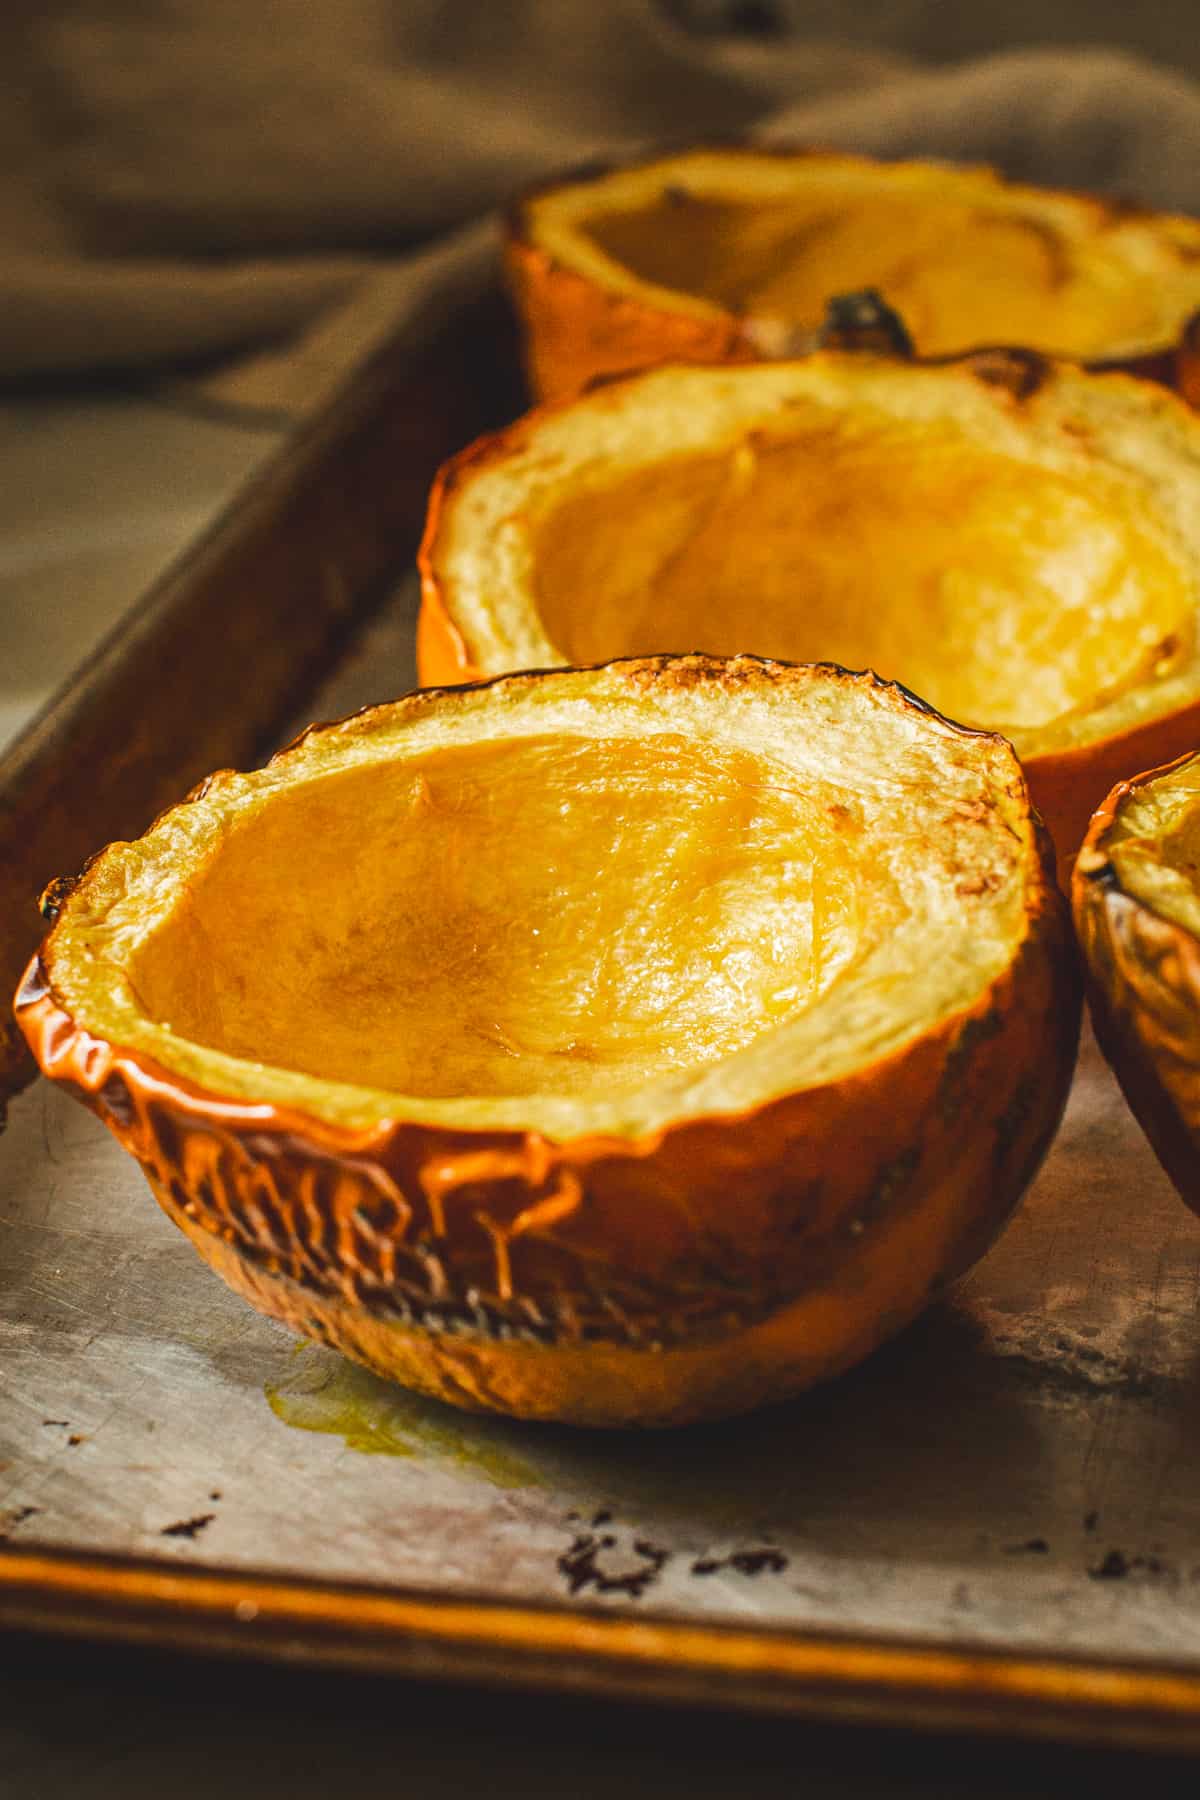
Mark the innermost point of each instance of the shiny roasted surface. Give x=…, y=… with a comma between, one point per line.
x=703, y=1147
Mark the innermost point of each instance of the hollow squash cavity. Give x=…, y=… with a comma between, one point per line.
x=551, y=914
x=1002, y=591
x=959, y=272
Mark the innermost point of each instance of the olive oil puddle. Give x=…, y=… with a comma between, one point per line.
x=325, y=1393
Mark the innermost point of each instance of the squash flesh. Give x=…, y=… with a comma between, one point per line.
x=713, y=253
x=1002, y=592
x=959, y=274
x=1154, y=845
x=1022, y=537
x=675, y=900
x=596, y=918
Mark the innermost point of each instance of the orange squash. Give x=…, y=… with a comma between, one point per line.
x=732, y=253
x=1136, y=895
x=1016, y=541
x=620, y=1046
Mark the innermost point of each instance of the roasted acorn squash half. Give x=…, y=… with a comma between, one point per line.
x=1136, y=894
x=719, y=254
x=624, y=1045
x=1016, y=541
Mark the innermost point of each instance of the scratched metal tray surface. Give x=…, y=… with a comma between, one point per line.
x=996, y=1520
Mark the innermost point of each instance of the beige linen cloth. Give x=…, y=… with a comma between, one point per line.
x=276, y=182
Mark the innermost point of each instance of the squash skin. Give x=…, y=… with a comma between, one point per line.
x=1065, y=784
x=1186, y=376
x=576, y=331
x=1143, y=988
x=443, y=659
x=608, y=1283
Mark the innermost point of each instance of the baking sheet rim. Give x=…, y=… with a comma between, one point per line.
x=544, y=1647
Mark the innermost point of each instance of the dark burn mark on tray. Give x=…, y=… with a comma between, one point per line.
x=1116, y=1565
x=1034, y=1546
x=1063, y=1368
x=10, y=1521
x=188, y=1528
x=580, y=1568
x=764, y=1561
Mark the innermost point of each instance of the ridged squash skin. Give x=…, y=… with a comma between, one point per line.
x=1143, y=970
x=715, y=1262
x=583, y=318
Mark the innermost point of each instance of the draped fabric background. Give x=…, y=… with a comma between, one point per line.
x=184, y=179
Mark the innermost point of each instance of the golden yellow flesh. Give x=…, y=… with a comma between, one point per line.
x=961, y=275
x=1181, y=848
x=1154, y=844
x=1002, y=592
x=551, y=914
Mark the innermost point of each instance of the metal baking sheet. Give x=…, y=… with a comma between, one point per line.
x=1009, y=1494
